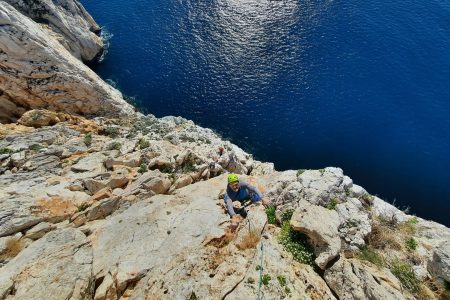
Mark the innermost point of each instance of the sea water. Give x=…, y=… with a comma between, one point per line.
x=362, y=85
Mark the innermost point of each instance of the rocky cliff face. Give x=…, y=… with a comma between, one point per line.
x=133, y=209
x=41, y=44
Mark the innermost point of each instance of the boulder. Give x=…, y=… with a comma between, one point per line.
x=440, y=263
x=58, y=266
x=39, y=230
x=352, y=280
x=150, y=181
x=354, y=223
x=182, y=181
x=321, y=226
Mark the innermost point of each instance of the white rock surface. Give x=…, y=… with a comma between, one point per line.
x=321, y=226
x=58, y=266
x=352, y=280
x=37, y=71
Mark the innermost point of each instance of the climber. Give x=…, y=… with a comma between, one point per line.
x=239, y=190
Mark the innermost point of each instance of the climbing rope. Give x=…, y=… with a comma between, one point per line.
x=260, y=272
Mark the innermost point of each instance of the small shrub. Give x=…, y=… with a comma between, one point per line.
x=265, y=279
x=166, y=169
x=112, y=131
x=143, y=143
x=300, y=172
x=321, y=171
x=88, y=139
x=250, y=240
x=270, y=212
x=13, y=247
x=296, y=243
x=188, y=167
x=193, y=296
x=447, y=286
x=287, y=290
x=287, y=215
x=411, y=244
x=115, y=146
x=332, y=204
x=36, y=147
x=405, y=274
x=251, y=280
x=83, y=206
x=142, y=168
x=258, y=268
x=371, y=255
x=409, y=226
x=282, y=280
x=6, y=151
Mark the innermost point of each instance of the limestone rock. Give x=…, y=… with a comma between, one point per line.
x=72, y=25
x=321, y=226
x=58, y=266
x=322, y=186
x=183, y=181
x=39, y=230
x=440, y=264
x=352, y=280
x=37, y=71
x=151, y=181
x=354, y=223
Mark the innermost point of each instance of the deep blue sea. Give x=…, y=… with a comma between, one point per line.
x=362, y=85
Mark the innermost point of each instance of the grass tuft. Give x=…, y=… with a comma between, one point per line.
x=265, y=279
x=143, y=168
x=405, y=274
x=282, y=280
x=411, y=244
x=270, y=212
x=88, y=139
x=332, y=204
x=250, y=240
x=372, y=256
x=115, y=146
x=13, y=247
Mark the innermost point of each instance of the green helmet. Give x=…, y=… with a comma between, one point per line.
x=232, y=178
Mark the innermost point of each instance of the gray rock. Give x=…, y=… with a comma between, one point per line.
x=321, y=226
x=39, y=230
x=39, y=72
x=152, y=180
x=92, y=163
x=440, y=264
x=354, y=223
x=58, y=266
x=69, y=22
x=352, y=280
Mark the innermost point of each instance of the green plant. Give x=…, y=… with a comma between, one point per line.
x=287, y=215
x=281, y=280
x=300, y=172
x=321, y=171
x=88, y=139
x=251, y=280
x=193, y=296
x=371, y=255
x=143, y=143
x=115, y=146
x=83, y=206
x=296, y=243
x=265, y=279
x=6, y=151
x=35, y=147
x=332, y=204
x=258, y=268
x=112, y=131
x=287, y=290
x=411, y=244
x=447, y=285
x=142, y=168
x=189, y=167
x=270, y=212
x=166, y=169
x=405, y=274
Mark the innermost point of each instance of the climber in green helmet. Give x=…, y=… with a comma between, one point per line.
x=239, y=190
